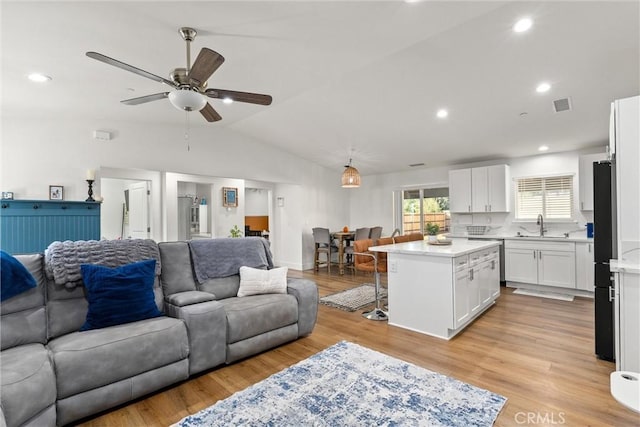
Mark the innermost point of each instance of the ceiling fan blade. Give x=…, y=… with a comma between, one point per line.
x=210, y=114
x=127, y=67
x=147, y=98
x=252, y=98
x=207, y=62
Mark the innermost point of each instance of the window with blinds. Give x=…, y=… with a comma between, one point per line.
x=550, y=196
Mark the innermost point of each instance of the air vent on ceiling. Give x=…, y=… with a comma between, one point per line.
x=560, y=105
x=415, y=165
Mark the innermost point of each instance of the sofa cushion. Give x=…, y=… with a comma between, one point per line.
x=255, y=281
x=119, y=295
x=14, y=277
x=90, y=359
x=28, y=382
x=177, y=272
x=257, y=314
x=222, y=287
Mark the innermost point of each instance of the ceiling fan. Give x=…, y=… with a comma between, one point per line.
x=189, y=85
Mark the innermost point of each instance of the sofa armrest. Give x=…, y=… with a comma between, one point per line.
x=306, y=292
x=207, y=330
x=181, y=299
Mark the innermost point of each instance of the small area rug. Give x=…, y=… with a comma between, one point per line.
x=543, y=294
x=354, y=298
x=350, y=385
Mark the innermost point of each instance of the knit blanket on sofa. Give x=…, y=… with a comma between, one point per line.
x=223, y=257
x=63, y=259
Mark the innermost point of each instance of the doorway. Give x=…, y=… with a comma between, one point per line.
x=257, y=215
x=195, y=219
x=125, y=209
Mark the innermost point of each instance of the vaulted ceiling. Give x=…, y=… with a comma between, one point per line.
x=361, y=79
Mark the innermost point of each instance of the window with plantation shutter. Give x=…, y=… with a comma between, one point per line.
x=550, y=196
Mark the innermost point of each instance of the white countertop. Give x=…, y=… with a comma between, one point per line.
x=618, y=266
x=549, y=238
x=422, y=247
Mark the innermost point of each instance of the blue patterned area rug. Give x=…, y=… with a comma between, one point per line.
x=350, y=385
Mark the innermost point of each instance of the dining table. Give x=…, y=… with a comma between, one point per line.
x=344, y=238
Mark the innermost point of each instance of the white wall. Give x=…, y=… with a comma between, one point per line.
x=60, y=150
x=372, y=203
x=256, y=201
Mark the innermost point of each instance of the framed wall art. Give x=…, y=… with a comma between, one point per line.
x=229, y=197
x=56, y=192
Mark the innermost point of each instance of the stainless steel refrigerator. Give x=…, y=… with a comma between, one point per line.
x=604, y=232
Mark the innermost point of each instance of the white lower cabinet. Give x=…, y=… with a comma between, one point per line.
x=541, y=263
x=584, y=266
x=461, y=300
x=476, y=284
x=490, y=276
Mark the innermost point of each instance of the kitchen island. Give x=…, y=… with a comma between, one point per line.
x=439, y=289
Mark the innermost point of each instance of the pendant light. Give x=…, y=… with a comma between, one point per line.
x=350, y=177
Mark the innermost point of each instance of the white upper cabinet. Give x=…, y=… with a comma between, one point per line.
x=483, y=189
x=479, y=190
x=585, y=178
x=460, y=190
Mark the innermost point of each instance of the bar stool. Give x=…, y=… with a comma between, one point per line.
x=366, y=261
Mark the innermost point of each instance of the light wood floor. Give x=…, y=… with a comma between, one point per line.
x=536, y=352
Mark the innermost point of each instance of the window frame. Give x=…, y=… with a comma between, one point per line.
x=545, y=197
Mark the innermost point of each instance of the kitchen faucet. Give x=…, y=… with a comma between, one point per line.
x=540, y=222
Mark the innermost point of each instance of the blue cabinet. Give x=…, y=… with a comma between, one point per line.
x=29, y=226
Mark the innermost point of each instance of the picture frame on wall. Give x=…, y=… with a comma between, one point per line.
x=56, y=192
x=229, y=197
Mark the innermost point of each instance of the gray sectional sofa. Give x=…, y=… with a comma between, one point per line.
x=54, y=374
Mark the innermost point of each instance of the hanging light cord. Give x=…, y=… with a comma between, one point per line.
x=186, y=130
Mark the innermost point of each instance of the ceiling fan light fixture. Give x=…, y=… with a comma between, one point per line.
x=187, y=100
x=227, y=100
x=350, y=177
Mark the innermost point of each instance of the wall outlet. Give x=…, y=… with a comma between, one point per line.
x=393, y=266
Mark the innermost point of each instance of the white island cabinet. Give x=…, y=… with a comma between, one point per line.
x=439, y=290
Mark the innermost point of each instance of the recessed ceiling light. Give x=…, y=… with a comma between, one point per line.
x=227, y=100
x=543, y=148
x=522, y=25
x=39, y=78
x=543, y=87
x=442, y=113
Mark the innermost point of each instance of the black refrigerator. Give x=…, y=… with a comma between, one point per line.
x=604, y=224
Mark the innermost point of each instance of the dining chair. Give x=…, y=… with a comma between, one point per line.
x=361, y=234
x=413, y=237
x=366, y=261
x=375, y=233
x=323, y=245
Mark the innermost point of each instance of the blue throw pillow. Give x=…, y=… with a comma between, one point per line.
x=119, y=295
x=14, y=277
